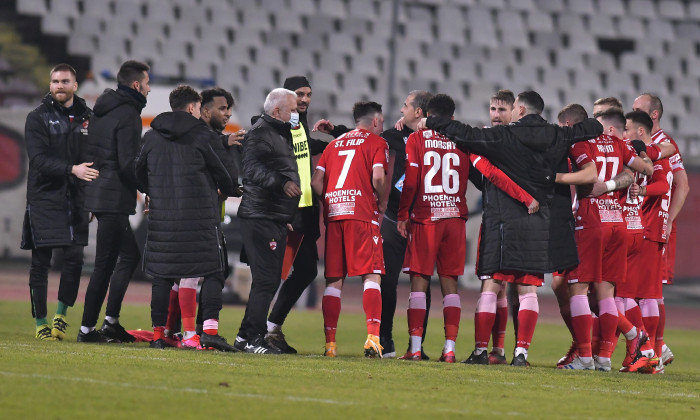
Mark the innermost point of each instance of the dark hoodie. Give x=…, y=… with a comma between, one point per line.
x=181, y=165
x=114, y=138
x=529, y=151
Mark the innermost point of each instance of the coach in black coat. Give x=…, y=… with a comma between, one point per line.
x=271, y=194
x=113, y=142
x=54, y=134
x=529, y=151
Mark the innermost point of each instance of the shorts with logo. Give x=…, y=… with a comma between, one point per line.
x=602, y=254
x=670, y=257
x=444, y=243
x=519, y=277
x=353, y=248
x=636, y=268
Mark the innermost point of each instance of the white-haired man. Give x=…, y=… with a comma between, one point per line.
x=270, y=198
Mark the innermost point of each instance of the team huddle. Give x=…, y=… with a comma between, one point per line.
x=591, y=200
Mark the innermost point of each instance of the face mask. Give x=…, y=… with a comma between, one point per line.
x=294, y=119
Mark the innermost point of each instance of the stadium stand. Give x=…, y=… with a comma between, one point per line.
x=467, y=47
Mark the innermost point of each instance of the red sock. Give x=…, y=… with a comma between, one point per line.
x=372, y=304
x=581, y=322
x=566, y=316
x=595, y=334
x=416, y=313
x=499, y=325
x=188, y=307
x=659, y=342
x=608, y=326
x=173, y=309
x=623, y=324
x=527, y=319
x=211, y=326
x=634, y=315
x=451, y=312
x=484, y=318
x=330, y=306
x=158, y=333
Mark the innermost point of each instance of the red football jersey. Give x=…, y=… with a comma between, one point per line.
x=655, y=208
x=437, y=175
x=675, y=160
x=609, y=154
x=348, y=162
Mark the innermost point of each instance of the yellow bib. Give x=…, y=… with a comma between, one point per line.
x=303, y=156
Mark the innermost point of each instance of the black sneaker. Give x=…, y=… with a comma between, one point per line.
x=389, y=351
x=94, y=336
x=216, y=342
x=478, y=359
x=258, y=345
x=240, y=343
x=520, y=360
x=159, y=344
x=277, y=340
x=116, y=332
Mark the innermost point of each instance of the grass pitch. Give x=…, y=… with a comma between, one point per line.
x=68, y=380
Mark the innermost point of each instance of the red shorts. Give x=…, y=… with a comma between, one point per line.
x=670, y=257
x=444, y=243
x=519, y=277
x=636, y=268
x=353, y=248
x=602, y=254
x=650, y=285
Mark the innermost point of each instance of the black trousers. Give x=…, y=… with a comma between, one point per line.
x=116, y=257
x=305, y=269
x=39, y=277
x=209, y=297
x=394, y=247
x=264, y=241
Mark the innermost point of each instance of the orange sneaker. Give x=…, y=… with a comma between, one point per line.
x=330, y=349
x=372, y=347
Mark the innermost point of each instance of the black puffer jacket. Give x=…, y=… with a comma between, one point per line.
x=268, y=163
x=113, y=142
x=180, y=166
x=529, y=151
x=54, y=216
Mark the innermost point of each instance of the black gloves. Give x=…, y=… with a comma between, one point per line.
x=639, y=146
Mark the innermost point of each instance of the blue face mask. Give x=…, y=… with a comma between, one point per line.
x=294, y=119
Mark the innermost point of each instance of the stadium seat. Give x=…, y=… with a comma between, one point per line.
x=611, y=8
x=65, y=8
x=512, y=29
x=602, y=26
x=557, y=77
x=694, y=10
x=32, y=7
x=553, y=41
x=524, y=5
x=643, y=8
x=672, y=9
x=540, y=22
x=362, y=8
x=334, y=8
x=634, y=63
x=583, y=7
x=654, y=82
x=667, y=66
x=571, y=24
x=556, y=6
x=600, y=62
x=688, y=30
x=661, y=29
x=55, y=24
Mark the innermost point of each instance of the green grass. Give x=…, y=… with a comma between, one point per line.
x=67, y=380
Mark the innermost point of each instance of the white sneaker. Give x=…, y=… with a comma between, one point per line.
x=602, y=365
x=666, y=356
x=578, y=364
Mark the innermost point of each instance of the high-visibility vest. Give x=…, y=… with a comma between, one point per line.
x=303, y=156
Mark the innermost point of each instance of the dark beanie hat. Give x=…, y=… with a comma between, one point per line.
x=296, y=82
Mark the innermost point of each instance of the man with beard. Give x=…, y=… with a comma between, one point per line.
x=54, y=134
